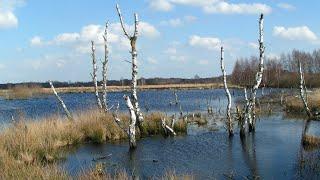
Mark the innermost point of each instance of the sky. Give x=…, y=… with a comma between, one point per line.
x=43, y=40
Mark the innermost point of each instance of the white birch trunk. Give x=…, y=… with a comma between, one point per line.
x=134, y=54
x=258, y=75
x=303, y=92
x=61, y=102
x=229, y=120
x=132, y=125
x=94, y=75
x=105, y=69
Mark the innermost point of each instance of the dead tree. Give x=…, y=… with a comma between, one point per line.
x=134, y=54
x=229, y=118
x=167, y=128
x=94, y=74
x=69, y=116
x=252, y=104
x=303, y=92
x=131, y=131
x=105, y=69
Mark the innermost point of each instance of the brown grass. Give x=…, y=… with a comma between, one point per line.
x=34, y=146
x=295, y=104
x=22, y=92
x=99, y=174
x=309, y=140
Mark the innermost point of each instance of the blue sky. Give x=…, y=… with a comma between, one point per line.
x=42, y=40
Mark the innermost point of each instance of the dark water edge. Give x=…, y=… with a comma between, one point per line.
x=272, y=152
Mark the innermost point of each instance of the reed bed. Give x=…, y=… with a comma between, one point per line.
x=30, y=148
x=294, y=103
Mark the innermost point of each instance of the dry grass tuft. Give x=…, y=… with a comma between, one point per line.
x=30, y=148
x=295, y=104
x=23, y=91
x=309, y=140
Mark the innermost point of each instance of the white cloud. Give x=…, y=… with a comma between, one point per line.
x=286, y=6
x=195, y=2
x=216, y=6
x=2, y=66
x=80, y=41
x=152, y=60
x=36, y=41
x=253, y=45
x=178, y=58
x=241, y=8
x=203, y=62
x=295, y=33
x=190, y=18
x=210, y=43
x=160, y=5
x=171, y=50
x=175, y=22
x=7, y=17
x=172, y=22
x=8, y=20
x=273, y=56
x=148, y=30
x=67, y=37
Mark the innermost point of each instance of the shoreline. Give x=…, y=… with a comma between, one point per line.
x=6, y=92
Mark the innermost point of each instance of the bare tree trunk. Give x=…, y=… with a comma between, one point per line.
x=229, y=120
x=303, y=94
x=134, y=54
x=258, y=76
x=132, y=125
x=105, y=69
x=94, y=75
x=61, y=102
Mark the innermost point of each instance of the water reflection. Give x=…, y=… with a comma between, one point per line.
x=248, y=148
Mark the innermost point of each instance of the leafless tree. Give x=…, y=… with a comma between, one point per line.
x=229, y=118
x=303, y=92
x=252, y=104
x=105, y=69
x=94, y=74
x=134, y=54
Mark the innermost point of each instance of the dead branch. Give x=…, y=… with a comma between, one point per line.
x=94, y=74
x=105, y=69
x=61, y=102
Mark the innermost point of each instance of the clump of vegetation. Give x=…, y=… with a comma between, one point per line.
x=311, y=141
x=31, y=146
x=23, y=91
x=99, y=173
x=295, y=104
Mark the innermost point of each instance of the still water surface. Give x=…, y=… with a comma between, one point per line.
x=273, y=152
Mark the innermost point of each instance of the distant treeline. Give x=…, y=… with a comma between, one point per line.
x=281, y=71
x=122, y=82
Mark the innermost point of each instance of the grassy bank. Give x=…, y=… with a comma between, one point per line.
x=22, y=92
x=30, y=149
x=27, y=92
x=294, y=104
